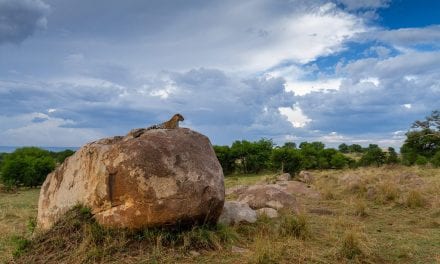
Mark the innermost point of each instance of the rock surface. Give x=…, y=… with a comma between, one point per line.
x=300, y=189
x=236, y=212
x=306, y=176
x=284, y=177
x=162, y=177
x=270, y=195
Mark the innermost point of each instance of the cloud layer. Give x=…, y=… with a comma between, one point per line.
x=287, y=70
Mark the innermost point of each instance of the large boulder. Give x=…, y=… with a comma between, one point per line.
x=163, y=177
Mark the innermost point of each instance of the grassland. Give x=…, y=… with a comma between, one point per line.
x=368, y=215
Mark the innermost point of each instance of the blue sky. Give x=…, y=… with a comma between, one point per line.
x=291, y=70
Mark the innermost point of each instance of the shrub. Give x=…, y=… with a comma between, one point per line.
x=338, y=161
x=421, y=160
x=373, y=156
x=435, y=161
x=27, y=166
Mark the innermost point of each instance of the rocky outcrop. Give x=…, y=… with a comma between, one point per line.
x=236, y=212
x=163, y=177
x=270, y=195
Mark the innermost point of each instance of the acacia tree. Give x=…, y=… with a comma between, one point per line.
x=422, y=140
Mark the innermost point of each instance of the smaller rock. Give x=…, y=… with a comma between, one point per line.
x=194, y=253
x=371, y=193
x=284, y=177
x=300, y=189
x=410, y=180
x=352, y=182
x=269, y=195
x=236, y=212
x=235, y=190
x=240, y=250
x=306, y=176
x=268, y=212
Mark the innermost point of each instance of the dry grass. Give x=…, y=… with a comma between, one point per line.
x=401, y=224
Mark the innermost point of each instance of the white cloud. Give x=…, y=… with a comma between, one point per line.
x=302, y=37
x=295, y=116
x=304, y=87
x=22, y=131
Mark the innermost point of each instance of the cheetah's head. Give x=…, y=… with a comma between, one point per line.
x=178, y=117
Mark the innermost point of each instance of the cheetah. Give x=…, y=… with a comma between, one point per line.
x=173, y=123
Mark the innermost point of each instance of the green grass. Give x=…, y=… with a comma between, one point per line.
x=402, y=225
x=246, y=179
x=17, y=211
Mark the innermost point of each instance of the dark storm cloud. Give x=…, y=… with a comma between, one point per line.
x=19, y=19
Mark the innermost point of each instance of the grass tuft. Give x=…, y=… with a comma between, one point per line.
x=294, y=225
x=415, y=199
x=350, y=247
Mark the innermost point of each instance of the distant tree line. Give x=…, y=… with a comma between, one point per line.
x=29, y=166
x=253, y=157
x=422, y=146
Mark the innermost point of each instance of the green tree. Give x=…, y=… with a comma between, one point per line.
x=423, y=139
x=27, y=166
x=311, y=153
x=344, y=148
x=291, y=145
x=287, y=159
x=339, y=161
x=392, y=157
x=252, y=157
x=373, y=156
x=325, y=158
x=225, y=158
x=355, y=148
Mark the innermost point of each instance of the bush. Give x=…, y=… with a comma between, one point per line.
x=373, y=156
x=421, y=160
x=338, y=161
x=435, y=161
x=27, y=166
